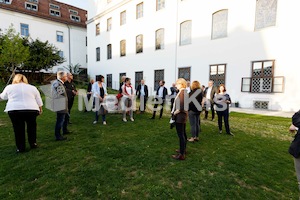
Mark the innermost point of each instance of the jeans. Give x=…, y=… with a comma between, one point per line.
x=224, y=114
x=180, y=128
x=19, y=118
x=97, y=117
x=194, y=118
x=61, y=123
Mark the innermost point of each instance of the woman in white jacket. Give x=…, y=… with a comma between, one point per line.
x=23, y=106
x=99, y=93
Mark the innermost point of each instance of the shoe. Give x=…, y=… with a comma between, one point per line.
x=67, y=132
x=220, y=131
x=191, y=139
x=151, y=118
x=131, y=119
x=124, y=120
x=33, y=146
x=178, y=157
x=178, y=151
x=95, y=122
x=172, y=125
x=230, y=134
x=61, y=138
x=104, y=123
x=20, y=150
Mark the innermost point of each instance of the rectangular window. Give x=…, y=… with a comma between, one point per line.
x=98, y=29
x=185, y=72
x=123, y=18
x=158, y=76
x=108, y=51
x=59, y=36
x=123, y=48
x=160, y=4
x=139, y=10
x=109, y=21
x=217, y=73
x=61, y=54
x=6, y=1
x=159, y=39
x=138, y=78
x=74, y=12
x=30, y=6
x=54, y=13
x=98, y=54
x=33, y=1
x=139, y=44
x=109, y=80
x=53, y=6
x=75, y=18
x=25, y=30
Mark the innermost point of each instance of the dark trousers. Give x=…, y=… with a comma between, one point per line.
x=180, y=128
x=19, y=119
x=172, y=103
x=212, y=111
x=223, y=114
x=194, y=118
x=61, y=123
x=70, y=105
x=161, y=110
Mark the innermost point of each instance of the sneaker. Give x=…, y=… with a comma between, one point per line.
x=124, y=120
x=132, y=119
x=220, y=131
x=230, y=134
x=95, y=122
x=104, y=123
x=191, y=139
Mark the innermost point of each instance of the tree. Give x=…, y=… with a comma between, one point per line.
x=43, y=55
x=74, y=69
x=13, y=52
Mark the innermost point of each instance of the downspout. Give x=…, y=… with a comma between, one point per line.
x=69, y=36
x=176, y=39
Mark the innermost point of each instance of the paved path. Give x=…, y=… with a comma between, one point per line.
x=263, y=112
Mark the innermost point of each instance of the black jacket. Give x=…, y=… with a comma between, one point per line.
x=138, y=91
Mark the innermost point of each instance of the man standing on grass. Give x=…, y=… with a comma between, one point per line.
x=161, y=93
x=71, y=93
x=142, y=94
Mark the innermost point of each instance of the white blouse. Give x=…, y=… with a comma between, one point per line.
x=21, y=96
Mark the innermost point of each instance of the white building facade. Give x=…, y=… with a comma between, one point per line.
x=247, y=45
x=49, y=21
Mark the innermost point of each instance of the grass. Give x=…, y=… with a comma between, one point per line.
x=133, y=160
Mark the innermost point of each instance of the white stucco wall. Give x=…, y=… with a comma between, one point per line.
x=242, y=45
x=46, y=30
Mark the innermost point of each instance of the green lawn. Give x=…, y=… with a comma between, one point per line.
x=133, y=160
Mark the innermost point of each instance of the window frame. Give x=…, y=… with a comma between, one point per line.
x=141, y=49
x=160, y=4
x=109, y=24
x=162, y=42
x=216, y=80
x=97, y=29
x=123, y=42
x=214, y=34
x=140, y=10
x=31, y=6
x=109, y=52
x=189, y=40
x=22, y=29
x=59, y=36
x=123, y=18
x=98, y=55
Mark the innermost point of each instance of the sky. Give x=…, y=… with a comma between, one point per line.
x=78, y=3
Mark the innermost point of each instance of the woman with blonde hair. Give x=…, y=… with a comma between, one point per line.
x=23, y=106
x=179, y=114
x=195, y=110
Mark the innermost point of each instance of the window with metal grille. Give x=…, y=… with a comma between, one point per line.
x=109, y=80
x=158, y=76
x=138, y=78
x=261, y=105
x=217, y=73
x=185, y=72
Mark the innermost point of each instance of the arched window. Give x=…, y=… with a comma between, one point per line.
x=186, y=32
x=159, y=39
x=123, y=48
x=219, y=24
x=265, y=15
x=139, y=44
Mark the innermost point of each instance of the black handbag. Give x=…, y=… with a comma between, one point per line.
x=294, y=149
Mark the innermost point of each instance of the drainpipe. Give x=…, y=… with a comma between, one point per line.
x=69, y=35
x=176, y=39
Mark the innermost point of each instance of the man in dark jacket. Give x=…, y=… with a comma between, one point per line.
x=71, y=93
x=161, y=93
x=142, y=94
x=209, y=94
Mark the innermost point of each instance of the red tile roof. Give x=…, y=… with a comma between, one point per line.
x=44, y=11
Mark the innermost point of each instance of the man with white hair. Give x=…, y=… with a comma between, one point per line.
x=60, y=104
